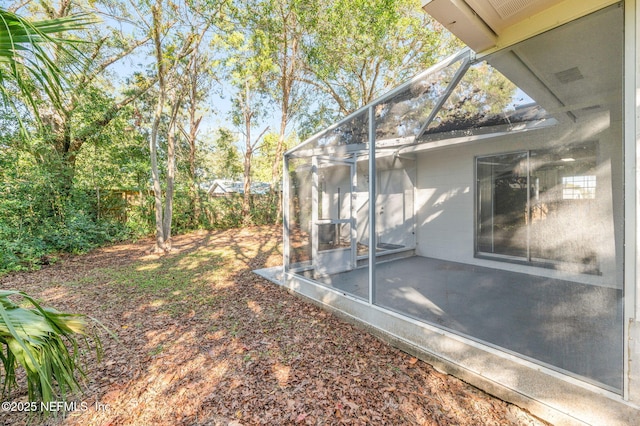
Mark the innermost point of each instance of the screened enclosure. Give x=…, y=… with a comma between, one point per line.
x=484, y=197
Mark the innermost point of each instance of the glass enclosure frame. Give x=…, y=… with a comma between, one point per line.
x=368, y=154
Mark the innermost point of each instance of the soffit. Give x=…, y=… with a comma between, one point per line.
x=489, y=25
x=500, y=14
x=576, y=68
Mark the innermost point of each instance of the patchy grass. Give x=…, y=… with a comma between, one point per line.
x=204, y=341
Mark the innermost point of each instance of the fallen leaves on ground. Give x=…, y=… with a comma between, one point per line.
x=204, y=341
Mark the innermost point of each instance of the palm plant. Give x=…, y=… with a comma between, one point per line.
x=38, y=340
x=29, y=53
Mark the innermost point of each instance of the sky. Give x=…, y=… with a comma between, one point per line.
x=218, y=107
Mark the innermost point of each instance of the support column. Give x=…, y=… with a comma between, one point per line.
x=631, y=384
x=373, y=243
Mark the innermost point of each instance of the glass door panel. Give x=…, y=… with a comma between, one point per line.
x=502, y=204
x=564, y=219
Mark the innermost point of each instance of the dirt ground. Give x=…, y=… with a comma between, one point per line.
x=204, y=341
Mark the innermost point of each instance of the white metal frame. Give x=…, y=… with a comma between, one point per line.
x=631, y=207
x=631, y=183
x=316, y=256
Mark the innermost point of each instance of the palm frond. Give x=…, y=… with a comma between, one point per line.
x=38, y=340
x=29, y=52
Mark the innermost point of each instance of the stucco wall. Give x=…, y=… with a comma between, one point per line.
x=445, y=197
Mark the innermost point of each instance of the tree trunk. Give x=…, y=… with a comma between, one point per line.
x=194, y=124
x=247, y=114
x=194, y=200
x=155, y=175
x=171, y=173
x=246, y=200
x=168, y=198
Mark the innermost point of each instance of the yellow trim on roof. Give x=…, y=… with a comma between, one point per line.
x=563, y=12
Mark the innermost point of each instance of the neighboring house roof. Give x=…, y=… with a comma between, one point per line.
x=223, y=187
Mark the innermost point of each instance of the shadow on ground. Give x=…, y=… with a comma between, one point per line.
x=204, y=341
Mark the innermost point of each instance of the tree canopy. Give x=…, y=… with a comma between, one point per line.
x=118, y=116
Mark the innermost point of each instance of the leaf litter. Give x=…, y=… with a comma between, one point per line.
x=204, y=341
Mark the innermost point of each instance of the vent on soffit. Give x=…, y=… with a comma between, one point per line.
x=569, y=75
x=508, y=8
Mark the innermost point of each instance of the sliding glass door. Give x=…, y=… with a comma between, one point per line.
x=541, y=206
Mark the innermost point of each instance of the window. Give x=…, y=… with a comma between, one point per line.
x=578, y=187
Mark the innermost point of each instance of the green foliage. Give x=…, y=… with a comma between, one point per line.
x=36, y=220
x=264, y=159
x=38, y=341
x=84, y=179
x=139, y=221
x=226, y=212
x=357, y=50
x=27, y=60
x=226, y=159
x=264, y=209
x=80, y=232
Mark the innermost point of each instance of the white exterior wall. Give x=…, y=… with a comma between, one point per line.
x=445, y=199
x=444, y=204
